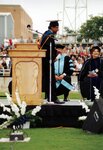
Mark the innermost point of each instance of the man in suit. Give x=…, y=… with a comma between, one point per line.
x=64, y=68
x=48, y=76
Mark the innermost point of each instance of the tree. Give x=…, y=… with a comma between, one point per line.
x=79, y=38
x=92, y=29
x=68, y=31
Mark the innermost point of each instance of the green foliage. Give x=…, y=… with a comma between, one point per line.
x=92, y=29
x=68, y=31
x=79, y=38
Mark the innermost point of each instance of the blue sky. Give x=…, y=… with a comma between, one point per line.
x=42, y=10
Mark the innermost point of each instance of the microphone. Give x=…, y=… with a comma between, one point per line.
x=30, y=29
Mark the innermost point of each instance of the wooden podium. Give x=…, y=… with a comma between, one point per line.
x=27, y=73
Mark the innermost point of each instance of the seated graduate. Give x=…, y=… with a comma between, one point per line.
x=64, y=68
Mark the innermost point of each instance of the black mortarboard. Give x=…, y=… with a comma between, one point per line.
x=93, y=48
x=53, y=23
x=60, y=46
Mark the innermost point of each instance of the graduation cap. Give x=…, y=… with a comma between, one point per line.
x=60, y=46
x=53, y=23
x=93, y=49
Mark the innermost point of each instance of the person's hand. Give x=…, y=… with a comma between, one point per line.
x=61, y=76
x=57, y=77
x=92, y=75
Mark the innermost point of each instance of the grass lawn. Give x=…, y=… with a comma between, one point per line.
x=2, y=95
x=55, y=139
x=60, y=138
x=72, y=95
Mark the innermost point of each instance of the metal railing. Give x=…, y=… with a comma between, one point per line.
x=4, y=72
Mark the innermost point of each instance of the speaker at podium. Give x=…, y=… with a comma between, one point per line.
x=94, y=120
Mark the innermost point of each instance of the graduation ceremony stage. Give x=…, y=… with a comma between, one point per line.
x=66, y=115
x=58, y=115
x=53, y=115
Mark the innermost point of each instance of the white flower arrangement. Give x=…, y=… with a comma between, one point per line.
x=82, y=118
x=97, y=95
x=96, y=92
x=16, y=114
x=84, y=106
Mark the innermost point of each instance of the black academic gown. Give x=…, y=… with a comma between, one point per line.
x=68, y=70
x=47, y=38
x=87, y=83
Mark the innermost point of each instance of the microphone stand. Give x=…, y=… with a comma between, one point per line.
x=32, y=30
x=35, y=31
x=50, y=77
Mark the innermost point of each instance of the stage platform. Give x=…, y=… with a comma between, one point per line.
x=58, y=115
x=66, y=115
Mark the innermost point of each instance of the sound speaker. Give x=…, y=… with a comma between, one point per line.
x=94, y=120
